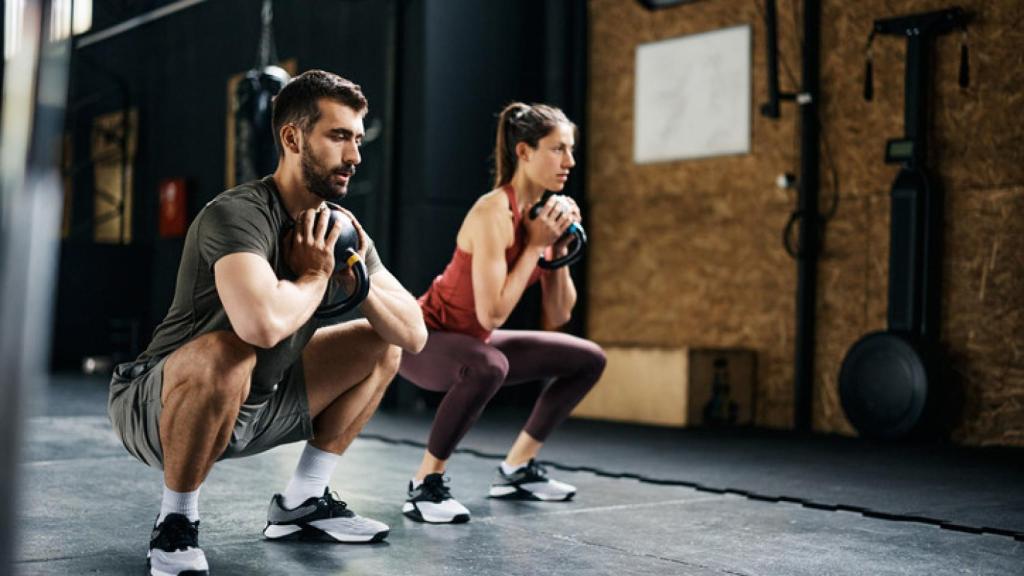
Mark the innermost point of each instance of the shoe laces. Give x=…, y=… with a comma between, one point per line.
x=176, y=533
x=435, y=487
x=535, y=472
x=335, y=506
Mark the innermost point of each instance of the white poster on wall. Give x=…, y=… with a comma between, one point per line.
x=693, y=96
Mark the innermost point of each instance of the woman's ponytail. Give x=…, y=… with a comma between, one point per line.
x=505, y=143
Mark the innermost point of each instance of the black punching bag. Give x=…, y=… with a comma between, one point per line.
x=255, y=154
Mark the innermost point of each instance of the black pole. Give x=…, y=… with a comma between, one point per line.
x=771, y=108
x=807, y=258
x=915, y=88
x=565, y=81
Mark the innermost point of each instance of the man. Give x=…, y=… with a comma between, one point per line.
x=238, y=366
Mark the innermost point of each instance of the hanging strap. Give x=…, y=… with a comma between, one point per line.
x=965, y=72
x=869, y=81
x=268, y=52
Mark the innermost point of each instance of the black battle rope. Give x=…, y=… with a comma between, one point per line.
x=866, y=512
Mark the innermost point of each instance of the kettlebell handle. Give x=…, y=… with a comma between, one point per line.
x=345, y=257
x=575, y=230
x=358, y=266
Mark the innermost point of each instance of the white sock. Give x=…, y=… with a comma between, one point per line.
x=186, y=503
x=507, y=468
x=312, y=474
x=416, y=483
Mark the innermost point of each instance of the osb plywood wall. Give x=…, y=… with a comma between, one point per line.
x=690, y=253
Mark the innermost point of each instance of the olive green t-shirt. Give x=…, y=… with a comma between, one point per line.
x=247, y=218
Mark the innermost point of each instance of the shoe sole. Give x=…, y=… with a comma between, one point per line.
x=413, y=513
x=517, y=493
x=291, y=533
x=155, y=572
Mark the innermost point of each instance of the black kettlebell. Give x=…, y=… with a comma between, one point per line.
x=574, y=229
x=346, y=256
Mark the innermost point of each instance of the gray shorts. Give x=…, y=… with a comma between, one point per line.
x=134, y=407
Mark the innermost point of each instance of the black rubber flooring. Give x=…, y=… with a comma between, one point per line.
x=87, y=506
x=969, y=489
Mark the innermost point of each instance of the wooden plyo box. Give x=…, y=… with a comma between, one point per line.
x=674, y=387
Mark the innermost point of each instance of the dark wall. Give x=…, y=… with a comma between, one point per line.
x=175, y=71
x=436, y=73
x=462, y=62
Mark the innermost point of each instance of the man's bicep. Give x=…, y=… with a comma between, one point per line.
x=245, y=282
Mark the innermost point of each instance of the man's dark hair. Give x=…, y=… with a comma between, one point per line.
x=297, y=103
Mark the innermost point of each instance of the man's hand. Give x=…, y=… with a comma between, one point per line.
x=309, y=247
x=359, y=230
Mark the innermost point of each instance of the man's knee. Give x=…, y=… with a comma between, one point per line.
x=390, y=360
x=232, y=364
x=218, y=363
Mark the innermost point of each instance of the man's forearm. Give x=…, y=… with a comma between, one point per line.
x=291, y=306
x=396, y=316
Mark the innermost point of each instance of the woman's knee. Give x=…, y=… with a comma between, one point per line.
x=485, y=372
x=590, y=361
x=596, y=358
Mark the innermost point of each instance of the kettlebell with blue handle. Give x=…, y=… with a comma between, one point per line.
x=575, y=230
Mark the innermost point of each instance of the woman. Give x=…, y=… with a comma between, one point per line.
x=467, y=356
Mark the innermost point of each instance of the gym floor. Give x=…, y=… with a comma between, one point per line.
x=650, y=501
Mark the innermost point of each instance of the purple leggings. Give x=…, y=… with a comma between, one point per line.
x=471, y=372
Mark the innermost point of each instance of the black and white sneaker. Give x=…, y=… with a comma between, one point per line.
x=174, y=548
x=325, y=519
x=530, y=482
x=432, y=502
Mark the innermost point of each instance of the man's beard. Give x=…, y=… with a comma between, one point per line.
x=320, y=180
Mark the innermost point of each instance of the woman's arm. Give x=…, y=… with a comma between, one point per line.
x=558, y=294
x=496, y=289
x=557, y=288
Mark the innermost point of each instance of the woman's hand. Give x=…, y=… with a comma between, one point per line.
x=561, y=247
x=549, y=225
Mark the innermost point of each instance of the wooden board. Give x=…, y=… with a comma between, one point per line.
x=671, y=386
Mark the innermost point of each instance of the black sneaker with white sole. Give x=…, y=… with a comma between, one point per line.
x=530, y=482
x=432, y=502
x=324, y=519
x=174, y=548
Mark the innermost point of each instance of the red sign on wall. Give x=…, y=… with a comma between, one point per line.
x=173, y=212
